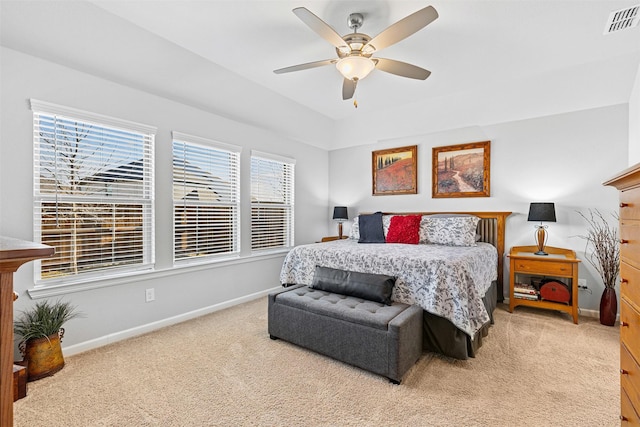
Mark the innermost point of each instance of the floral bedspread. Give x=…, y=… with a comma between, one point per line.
x=447, y=281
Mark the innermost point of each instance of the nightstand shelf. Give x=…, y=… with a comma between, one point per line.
x=526, y=267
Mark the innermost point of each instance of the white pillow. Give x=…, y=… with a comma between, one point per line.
x=386, y=222
x=449, y=230
x=354, y=233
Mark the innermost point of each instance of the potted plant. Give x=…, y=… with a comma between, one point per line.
x=41, y=330
x=603, y=252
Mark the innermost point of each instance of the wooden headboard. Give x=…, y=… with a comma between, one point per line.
x=491, y=229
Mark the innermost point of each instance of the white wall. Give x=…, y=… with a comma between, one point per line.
x=634, y=122
x=561, y=158
x=111, y=310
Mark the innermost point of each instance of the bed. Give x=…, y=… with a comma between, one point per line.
x=456, y=286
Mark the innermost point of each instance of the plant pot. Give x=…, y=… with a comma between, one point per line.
x=608, y=307
x=43, y=357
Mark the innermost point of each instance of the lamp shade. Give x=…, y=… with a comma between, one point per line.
x=355, y=67
x=542, y=212
x=340, y=213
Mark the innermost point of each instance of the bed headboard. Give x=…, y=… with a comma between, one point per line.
x=491, y=229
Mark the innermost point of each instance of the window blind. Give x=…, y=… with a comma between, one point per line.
x=272, y=201
x=93, y=194
x=206, y=198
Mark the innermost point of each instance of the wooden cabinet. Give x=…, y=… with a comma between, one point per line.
x=526, y=267
x=628, y=182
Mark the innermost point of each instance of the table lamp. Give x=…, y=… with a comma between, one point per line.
x=340, y=215
x=543, y=212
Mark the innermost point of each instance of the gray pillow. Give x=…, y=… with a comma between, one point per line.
x=371, y=229
x=372, y=287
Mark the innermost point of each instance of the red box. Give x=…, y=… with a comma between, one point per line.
x=553, y=290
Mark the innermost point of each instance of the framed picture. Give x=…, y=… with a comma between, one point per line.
x=461, y=170
x=395, y=171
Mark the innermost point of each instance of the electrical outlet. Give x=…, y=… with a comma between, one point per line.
x=582, y=283
x=150, y=295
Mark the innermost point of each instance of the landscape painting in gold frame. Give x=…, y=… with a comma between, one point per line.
x=395, y=171
x=461, y=170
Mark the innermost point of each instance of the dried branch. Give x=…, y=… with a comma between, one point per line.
x=602, y=246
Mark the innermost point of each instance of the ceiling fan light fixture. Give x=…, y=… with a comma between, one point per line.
x=355, y=67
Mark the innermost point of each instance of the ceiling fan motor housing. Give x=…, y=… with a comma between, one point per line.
x=355, y=41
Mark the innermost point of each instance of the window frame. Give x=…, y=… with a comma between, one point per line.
x=288, y=203
x=145, y=194
x=235, y=153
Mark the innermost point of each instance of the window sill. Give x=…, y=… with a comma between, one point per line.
x=46, y=291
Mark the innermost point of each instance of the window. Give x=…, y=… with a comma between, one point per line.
x=271, y=201
x=206, y=198
x=93, y=194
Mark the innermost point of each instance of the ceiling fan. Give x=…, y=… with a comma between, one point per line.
x=355, y=50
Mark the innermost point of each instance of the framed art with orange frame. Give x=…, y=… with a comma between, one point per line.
x=395, y=171
x=461, y=170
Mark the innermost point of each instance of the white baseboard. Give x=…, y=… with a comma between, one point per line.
x=581, y=311
x=149, y=327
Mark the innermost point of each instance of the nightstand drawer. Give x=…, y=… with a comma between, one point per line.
x=630, y=233
x=628, y=415
x=547, y=268
x=630, y=198
x=630, y=283
x=630, y=328
x=630, y=376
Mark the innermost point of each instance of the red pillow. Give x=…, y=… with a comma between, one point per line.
x=404, y=229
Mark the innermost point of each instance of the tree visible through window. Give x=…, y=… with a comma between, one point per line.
x=272, y=201
x=93, y=195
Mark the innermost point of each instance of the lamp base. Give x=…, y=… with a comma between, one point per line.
x=541, y=239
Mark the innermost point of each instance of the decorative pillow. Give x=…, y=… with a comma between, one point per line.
x=423, y=224
x=370, y=227
x=404, y=229
x=386, y=223
x=372, y=287
x=450, y=231
x=354, y=233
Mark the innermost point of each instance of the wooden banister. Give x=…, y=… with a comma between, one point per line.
x=13, y=253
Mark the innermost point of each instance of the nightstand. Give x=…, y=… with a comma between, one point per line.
x=330, y=238
x=527, y=268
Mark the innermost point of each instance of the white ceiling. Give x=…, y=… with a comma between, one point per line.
x=479, y=44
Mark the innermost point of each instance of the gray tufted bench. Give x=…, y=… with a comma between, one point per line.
x=384, y=339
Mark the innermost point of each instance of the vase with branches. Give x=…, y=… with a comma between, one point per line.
x=603, y=253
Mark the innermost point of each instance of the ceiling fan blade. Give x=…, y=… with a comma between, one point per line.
x=402, y=29
x=401, y=68
x=306, y=66
x=348, y=88
x=322, y=28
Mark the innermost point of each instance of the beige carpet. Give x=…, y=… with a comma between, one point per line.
x=536, y=368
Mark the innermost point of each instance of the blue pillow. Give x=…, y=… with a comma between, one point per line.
x=371, y=229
